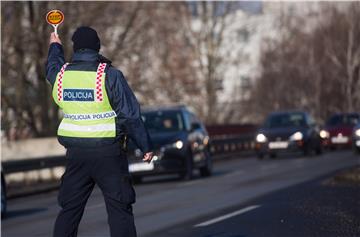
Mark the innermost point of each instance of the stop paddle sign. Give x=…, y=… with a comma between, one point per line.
x=55, y=18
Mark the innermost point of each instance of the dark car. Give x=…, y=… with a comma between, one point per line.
x=338, y=130
x=3, y=196
x=181, y=144
x=356, y=138
x=288, y=131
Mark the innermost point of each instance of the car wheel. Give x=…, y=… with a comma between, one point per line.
x=306, y=149
x=356, y=150
x=3, y=197
x=260, y=156
x=136, y=179
x=318, y=149
x=207, y=169
x=187, y=174
x=273, y=155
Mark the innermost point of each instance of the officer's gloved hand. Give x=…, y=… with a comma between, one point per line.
x=148, y=157
x=54, y=38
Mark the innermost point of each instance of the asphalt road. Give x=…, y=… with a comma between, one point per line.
x=233, y=202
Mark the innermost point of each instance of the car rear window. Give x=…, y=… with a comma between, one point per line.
x=163, y=121
x=343, y=119
x=285, y=120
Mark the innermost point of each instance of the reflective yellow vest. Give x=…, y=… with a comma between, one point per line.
x=82, y=97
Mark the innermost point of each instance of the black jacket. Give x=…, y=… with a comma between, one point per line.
x=122, y=99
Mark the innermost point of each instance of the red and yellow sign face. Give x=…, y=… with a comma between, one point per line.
x=54, y=17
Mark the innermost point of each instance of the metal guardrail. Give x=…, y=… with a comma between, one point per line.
x=32, y=164
x=232, y=144
x=218, y=145
x=221, y=147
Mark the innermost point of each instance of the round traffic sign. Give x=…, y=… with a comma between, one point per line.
x=55, y=17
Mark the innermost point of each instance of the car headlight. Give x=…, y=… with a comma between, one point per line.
x=296, y=136
x=261, y=138
x=179, y=144
x=357, y=132
x=324, y=134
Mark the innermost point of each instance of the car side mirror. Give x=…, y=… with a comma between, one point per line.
x=195, y=126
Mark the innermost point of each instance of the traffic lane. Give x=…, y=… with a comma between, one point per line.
x=200, y=197
x=314, y=208
x=236, y=188
x=48, y=200
x=36, y=213
x=150, y=185
x=95, y=223
x=165, y=203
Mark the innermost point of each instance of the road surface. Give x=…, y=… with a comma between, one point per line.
x=166, y=206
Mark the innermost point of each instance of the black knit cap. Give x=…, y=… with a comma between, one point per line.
x=85, y=38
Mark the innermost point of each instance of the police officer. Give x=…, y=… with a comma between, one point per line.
x=100, y=111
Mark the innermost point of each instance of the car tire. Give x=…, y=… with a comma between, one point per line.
x=3, y=197
x=273, y=155
x=318, y=150
x=137, y=179
x=260, y=156
x=187, y=174
x=207, y=169
x=306, y=149
x=356, y=150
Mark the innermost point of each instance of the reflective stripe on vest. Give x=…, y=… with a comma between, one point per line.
x=110, y=114
x=87, y=128
x=82, y=97
x=59, y=82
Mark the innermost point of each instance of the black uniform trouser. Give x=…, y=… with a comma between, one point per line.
x=108, y=168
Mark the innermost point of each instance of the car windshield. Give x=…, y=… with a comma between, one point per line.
x=163, y=121
x=285, y=120
x=343, y=119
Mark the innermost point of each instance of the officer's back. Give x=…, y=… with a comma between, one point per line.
x=100, y=110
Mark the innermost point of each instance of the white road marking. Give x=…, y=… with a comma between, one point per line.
x=227, y=216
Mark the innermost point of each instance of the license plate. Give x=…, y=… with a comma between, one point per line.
x=141, y=167
x=339, y=140
x=358, y=143
x=278, y=145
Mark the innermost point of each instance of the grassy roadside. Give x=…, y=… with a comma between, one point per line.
x=347, y=177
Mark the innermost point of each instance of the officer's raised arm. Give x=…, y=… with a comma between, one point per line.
x=55, y=58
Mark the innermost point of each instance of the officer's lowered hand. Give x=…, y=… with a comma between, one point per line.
x=148, y=157
x=54, y=38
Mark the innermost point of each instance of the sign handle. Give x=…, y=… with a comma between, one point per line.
x=55, y=29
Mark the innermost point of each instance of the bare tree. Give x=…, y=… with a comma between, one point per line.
x=207, y=26
x=315, y=66
x=147, y=41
